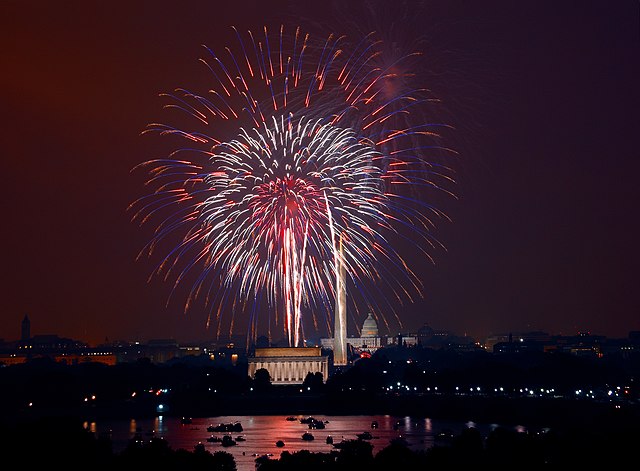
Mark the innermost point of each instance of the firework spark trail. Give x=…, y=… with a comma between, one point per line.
x=292, y=151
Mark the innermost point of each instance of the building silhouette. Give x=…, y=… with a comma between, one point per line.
x=369, y=340
x=26, y=329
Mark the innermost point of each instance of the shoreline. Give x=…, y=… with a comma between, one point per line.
x=554, y=413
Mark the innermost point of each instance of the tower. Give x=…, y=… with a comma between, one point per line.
x=26, y=328
x=340, y=312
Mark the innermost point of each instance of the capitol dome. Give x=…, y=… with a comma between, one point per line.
x=369, y=327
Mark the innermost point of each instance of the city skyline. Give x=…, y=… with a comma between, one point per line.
x=354, y=333
x=543, y=98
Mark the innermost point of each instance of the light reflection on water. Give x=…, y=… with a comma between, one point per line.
x=262, y=433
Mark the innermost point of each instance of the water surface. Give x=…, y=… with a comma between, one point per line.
x=262, y=433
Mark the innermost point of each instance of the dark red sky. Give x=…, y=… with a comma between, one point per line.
x=544, y=97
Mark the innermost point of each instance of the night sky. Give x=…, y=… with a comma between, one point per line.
x=544, y=97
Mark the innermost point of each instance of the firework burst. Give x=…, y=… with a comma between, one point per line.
x=293, y=149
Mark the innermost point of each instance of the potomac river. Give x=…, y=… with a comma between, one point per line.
x=261, y=432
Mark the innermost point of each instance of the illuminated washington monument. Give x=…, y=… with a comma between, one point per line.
x=340, y=319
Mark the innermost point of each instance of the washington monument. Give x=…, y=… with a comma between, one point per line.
x=340, y=313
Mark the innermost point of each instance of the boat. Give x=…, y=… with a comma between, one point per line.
x=364, y=436
x=329, y=440
x=227, y=440
x=230, y=427
x=186, y=420
x=316, y=424
x=444, y=435
x=307, y=436
x=291, y=418
x=279, y=443
x=214, y=439
x=241, y=438
x=374, y=424
x=343, y=443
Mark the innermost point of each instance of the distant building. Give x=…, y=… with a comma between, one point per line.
x=88, y=356
x=520, y=341
x=289, y=365
x=50, y=343
x=25, y=329
x=369, y=327
x=162, y=350
x=369, y=340
x=492, y=340
x=228, y=356
x=406, y=340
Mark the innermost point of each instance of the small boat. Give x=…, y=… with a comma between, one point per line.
x=241, y=438
x=343, y=443
x=186, y=420
x=279, y=443
x=228, y=440
x=214, y=439
x=316, y=424
x=374, y=424
x=291, y=418
x=231, y=427
x=307, y=436
x=444, y=435
x=329, y=440
x=365, y=436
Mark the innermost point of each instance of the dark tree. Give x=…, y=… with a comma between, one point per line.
x=262, y=380
x=223, y=461
x=397, y=455
x=355, y=454
x=313, y=381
